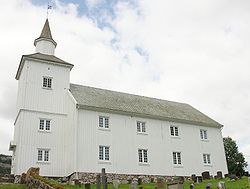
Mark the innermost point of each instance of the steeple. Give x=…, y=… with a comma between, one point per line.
x=45, y=44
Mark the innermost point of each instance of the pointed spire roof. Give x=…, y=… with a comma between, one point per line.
x=45, y=34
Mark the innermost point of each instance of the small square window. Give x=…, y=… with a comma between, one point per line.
x=207, y=159
x=143, y=155
x=141, y=127
x=203, y=134
x=43, y=155
x=103, y=122
x=45, y=125
x=104, y=153
x=174, y=131
x=47, y=82
x=177, y=158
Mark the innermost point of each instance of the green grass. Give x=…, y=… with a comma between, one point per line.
x=239, y=184
x=12, y=186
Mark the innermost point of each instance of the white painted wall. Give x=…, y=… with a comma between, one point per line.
x=124, y=142
x=45, y=47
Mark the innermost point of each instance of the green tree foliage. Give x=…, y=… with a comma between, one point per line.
x=235, y=159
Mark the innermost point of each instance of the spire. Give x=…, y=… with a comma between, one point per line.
x=45, y=43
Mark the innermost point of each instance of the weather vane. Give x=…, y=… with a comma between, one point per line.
x=49, y=7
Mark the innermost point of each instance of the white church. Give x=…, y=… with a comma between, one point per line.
x=66, y=128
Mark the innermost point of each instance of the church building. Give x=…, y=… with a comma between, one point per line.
x=69, y=129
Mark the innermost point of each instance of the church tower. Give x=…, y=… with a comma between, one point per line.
x=41, y=117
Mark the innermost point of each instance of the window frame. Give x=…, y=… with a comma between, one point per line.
x=174, y=131
x=177, y=159
x=104, y=153
x=207, y=159
x=47, y=82
x=203, y=134
x=141, y=127
x=43, y=155
x=43, y=127
x=143, y=156
x=105, y=123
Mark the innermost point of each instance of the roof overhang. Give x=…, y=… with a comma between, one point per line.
x=25, y=57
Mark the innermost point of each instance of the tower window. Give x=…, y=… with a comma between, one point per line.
x=47, y=82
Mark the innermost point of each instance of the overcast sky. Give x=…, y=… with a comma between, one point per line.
x=197, y=52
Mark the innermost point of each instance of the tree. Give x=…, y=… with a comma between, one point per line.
x=235, y=159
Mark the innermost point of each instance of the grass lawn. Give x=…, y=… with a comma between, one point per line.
x=239, y=184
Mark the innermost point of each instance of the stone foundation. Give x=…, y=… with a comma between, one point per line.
x=123, y=178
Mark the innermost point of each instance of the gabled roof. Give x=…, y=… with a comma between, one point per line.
x=42, y=58
x=45, y=34
x=102, y=100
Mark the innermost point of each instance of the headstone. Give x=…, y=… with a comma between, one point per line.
x=191, y=186
x=193, y=177
x=219, y=175
x=221, y=185
x=139, y=181
x=116, y=183
x=233, y=177
x=133, y=185
x=98, y=181
x=152, y=180
x=87, y=186
x=208, y=186
x=198, y=179
x=205, y=175
x=160, y=183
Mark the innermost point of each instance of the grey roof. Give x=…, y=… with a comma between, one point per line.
x=116, y=102
x=46, y=33
x=42, y=57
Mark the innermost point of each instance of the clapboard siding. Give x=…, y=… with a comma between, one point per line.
x=124, y=142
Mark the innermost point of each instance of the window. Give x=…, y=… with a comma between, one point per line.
x=174, y=131
x=43, y=155
x=206, y=159
x=103, y=122
x=47, y=82
x=203, y=134
x=143, y=155
x=104, y=153
x=177, y=158
x=44, y=125
x=141, y=127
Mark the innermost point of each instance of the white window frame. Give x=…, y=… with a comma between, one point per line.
x=44, y=124
x=43, y=155
x=141, y=127
x=207, y=159
x=47, y=82
x=104, y=153
x=177, y=160
x=143, y=156
x=203, y=134
x=174, y=131
x=104, y=122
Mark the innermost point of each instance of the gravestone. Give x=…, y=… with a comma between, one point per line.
x=116, y=183
x=191, y=186
x=193, y=177
x=87, y=186
x=208, y=186
x=205, y=175
x=219, y=175
x=198, y=179
x=221, y=185
x=160, y=183
x=133, y=185
x=98, y=181
x=152, y=180
x=233, y=177
x=139, y=181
